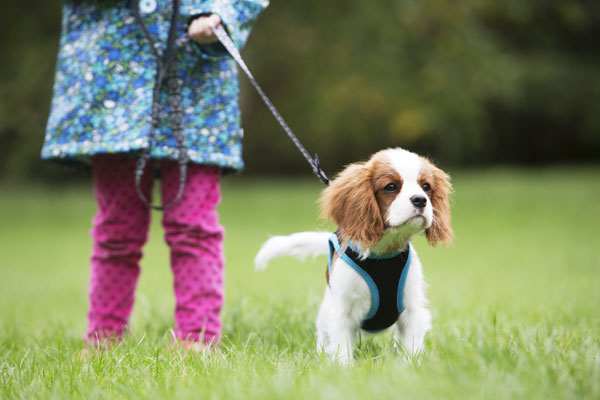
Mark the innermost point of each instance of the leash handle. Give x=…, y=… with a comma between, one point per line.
x=165, y=71
x=139, y=173
x=226, y=41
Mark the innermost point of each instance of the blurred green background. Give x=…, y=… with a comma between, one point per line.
x=475, y=82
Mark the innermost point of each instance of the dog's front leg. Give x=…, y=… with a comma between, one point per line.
x=415, y=320
x=410, y=330
x=342, y=328
x=347, y=304
x=342, y=333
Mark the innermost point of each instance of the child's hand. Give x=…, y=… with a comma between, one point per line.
x=200, y=29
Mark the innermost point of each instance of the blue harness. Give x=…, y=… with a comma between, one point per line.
x=385, y=276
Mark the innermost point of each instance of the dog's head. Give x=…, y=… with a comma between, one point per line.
x=395, y=191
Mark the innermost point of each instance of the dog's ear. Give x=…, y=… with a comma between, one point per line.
x=440, y=230
x=350, y=202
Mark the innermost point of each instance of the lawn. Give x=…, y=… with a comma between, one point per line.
x=515, y=300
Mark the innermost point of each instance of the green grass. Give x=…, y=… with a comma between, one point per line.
x=515, y=300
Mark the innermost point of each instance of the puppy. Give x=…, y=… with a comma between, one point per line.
x=374, y=276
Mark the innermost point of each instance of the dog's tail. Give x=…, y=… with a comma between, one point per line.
x=299, y=245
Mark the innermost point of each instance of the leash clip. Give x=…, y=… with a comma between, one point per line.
x=316, y=164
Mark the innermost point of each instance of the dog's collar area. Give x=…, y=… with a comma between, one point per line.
x=376, y=256
x=371, y=255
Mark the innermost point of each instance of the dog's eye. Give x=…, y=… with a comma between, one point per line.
x=391, y=187
x=426, y=187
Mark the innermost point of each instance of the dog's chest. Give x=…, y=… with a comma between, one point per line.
x=373, y=287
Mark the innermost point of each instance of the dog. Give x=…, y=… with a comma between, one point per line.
x=374, y=276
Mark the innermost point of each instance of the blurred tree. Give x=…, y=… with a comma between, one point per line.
x=29, y=43
x=471, y=82
x=468, y=83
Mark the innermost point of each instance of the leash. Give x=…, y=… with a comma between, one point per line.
x=166, y=71
x=226, y=41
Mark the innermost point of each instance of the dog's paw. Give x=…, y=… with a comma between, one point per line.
x=411, y=354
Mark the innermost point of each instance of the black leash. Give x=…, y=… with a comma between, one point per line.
x=226, y=41
x=166, y=71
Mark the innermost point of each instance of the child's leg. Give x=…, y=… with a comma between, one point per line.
x=119, y=231
x=195, y=237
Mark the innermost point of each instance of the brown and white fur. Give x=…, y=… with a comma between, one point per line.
x=379, y=205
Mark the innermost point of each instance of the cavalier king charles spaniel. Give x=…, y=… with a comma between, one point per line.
x=374, y=276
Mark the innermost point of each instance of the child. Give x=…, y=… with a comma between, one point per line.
x=100, y=116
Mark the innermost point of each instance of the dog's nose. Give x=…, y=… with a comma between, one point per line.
x=419, y=201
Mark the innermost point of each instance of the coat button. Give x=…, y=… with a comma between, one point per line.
x=147, y=6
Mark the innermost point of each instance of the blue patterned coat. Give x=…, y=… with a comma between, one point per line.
x=105, y=76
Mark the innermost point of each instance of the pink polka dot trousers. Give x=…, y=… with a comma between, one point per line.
x=120, y=229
